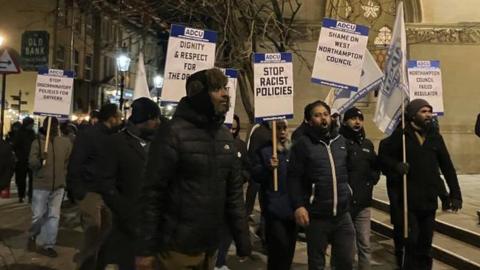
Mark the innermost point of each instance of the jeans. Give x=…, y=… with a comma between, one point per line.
x=339, y=232
x=361, y=222
x=46, y=206
x=225, y=243
x=281, y=236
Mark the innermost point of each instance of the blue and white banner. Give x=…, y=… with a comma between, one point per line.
x=273, y=82
x=189, y=50
x=232, y=75
x=53, y=92
x=372, y=75
x=394, y=89
x=425, y=81
x=340, y=54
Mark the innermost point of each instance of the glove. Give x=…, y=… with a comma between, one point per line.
x=455, y=204
x=402, y=168
x=446, y=203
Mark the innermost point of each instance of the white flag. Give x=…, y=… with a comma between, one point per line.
x=141, y=85
x=389, y=104
x=342, y=100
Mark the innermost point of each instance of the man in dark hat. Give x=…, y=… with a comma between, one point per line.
x=427, y=155
x=85, y=181
x=192, y=183
x=127, y=158
x=363, y=175
x=21, y=145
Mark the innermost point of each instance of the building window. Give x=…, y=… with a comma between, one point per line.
x=88, y=68
x=60, y=57
x=78, y=24
x=89, y=24
x=76, y=62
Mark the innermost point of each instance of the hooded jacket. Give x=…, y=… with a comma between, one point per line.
x=364, y=169
x=318, y=174
x=192, y=187
x=52, y=174
x=7, y=164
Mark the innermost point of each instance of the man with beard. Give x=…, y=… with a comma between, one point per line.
x=85, y=181
x=363, y=175
x=128, y=155
x=192, y=183
x=318, y=187
x=427, y=154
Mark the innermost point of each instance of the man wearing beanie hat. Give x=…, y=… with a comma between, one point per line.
x=127, y=151
x=427, y=155
x=192, y=183
x=363, y=175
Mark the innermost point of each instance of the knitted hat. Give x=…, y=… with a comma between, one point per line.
x=199, y=84
x=143, y=109
x=351, y=113
x=415, y=105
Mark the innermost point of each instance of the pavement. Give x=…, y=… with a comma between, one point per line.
x=15, y=220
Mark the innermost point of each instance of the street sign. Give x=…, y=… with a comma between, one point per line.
x=35, y=49
x=7, y=63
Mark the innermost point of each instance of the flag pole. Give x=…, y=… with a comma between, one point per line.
x=274, y=154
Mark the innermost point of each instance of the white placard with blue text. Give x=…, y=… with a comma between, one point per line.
x=340, y=54
x=189, y=50
x=425, y=81
x=53, y=93
x=232, y=75
x=273, y=82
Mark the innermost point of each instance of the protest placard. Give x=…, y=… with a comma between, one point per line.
x=340, y=54
x=273, y=82
x=189, y=50
x=53, y=93
x=232, y=75
x=425, y=81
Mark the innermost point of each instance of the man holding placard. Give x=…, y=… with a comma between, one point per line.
x=192, y=183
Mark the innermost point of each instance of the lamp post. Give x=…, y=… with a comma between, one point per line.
x=123, y=63
x=158, y=83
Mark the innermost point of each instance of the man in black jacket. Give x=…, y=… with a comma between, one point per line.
x=7, y=164
x=128, y=151
x=318, y=187
x=427, y=154
x=192, y=183
x=22, y=143
x=86, y=182
x=363, y=175
x=477, y=126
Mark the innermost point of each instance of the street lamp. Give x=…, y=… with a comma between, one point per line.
x=158, y=83
x=2, y=39
x=123, y=63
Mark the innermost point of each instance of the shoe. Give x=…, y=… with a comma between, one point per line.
x=49, y=252
x=31, y=244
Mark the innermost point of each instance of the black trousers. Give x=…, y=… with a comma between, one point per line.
x=338, y=231
x=418, y=252
x=395, y=196
x=280, y=239
x=21, y=173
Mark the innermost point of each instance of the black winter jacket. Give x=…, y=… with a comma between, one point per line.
x=7, y=164
x=192, y=187
x=275, y=203
x=88, y=161
x=22, y=143
x=477, y=126
x=363, y=170
x=318, y=175
x=424, y=183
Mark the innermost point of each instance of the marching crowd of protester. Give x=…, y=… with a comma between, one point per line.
x=169, y=194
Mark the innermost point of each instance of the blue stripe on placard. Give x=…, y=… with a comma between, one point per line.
x=272, y=57
x=193, y=33
x=412, y=63
x=273, y=117
x=62, y=116
x=168, y=102
x=231, y=73
x=334, y=84
x=56, y=72
x=426, y=64
x=345, y=26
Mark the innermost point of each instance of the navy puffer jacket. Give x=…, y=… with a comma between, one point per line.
x=318, y=175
